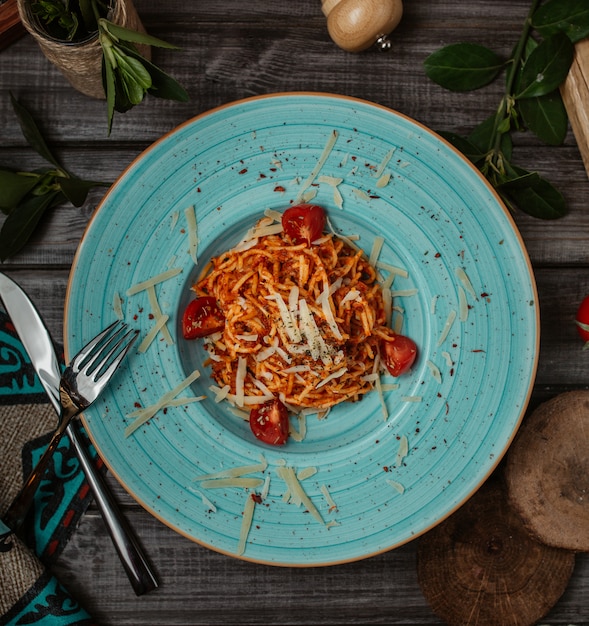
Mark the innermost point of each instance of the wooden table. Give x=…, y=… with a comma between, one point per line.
x=231, y=50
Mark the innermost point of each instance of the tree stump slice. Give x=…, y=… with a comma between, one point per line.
x=481, y=566
x=547, y=472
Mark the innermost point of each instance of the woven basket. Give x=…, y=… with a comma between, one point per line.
x=81, y=63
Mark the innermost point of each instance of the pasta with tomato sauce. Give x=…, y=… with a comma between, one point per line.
x=302, y=320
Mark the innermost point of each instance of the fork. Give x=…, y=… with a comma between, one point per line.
x=81, y=383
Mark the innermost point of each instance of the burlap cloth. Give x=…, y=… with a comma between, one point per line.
x=29, y=593
x=81, y=64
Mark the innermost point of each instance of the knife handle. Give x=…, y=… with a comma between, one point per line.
x=130, y=552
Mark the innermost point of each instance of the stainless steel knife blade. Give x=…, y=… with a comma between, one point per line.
x=37, y=342
x=33, y=335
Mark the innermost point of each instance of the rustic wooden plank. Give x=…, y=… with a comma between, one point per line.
x=562, y=360
x=223, y=60
x=559, y=242
x=575, y=94
x=11, y=28
x=229, y=51
x=379, y=590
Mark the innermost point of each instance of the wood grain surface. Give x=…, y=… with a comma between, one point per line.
x=11, y=27
x=231, y=50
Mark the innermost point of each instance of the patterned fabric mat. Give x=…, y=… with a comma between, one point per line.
x=29, y=593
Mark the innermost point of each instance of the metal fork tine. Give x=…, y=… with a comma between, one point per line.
x=89, y=348
x=117, y=354
x=109, y=345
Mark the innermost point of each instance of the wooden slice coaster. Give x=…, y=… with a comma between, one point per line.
x=547, y=472
x=481, y=566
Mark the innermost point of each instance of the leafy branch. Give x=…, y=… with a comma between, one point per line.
x=26, y=196
x=531, y=101
x=127, y=76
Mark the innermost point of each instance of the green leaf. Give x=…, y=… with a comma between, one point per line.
x=163, y=85
x=546, y=116
x=108, y=81
x=520, y=181
x=567, y=16
x=125, y=34
x=530, y=46
x=76, y=190
x=534, y=195
x=546, y=67
x=20, y=224
x=14, y=187
x=463, y=145
x=134, y=92
x=483, y=137
x=87, y=11
x=463, y=66
x=133, y=69
x=32, y=133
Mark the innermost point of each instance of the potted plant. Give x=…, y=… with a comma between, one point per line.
x=102, y=48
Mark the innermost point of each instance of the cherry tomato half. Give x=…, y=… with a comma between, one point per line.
x=398, y=354
x=583, y=319
x=202, y=317
x=269, y=422
x=304, y=223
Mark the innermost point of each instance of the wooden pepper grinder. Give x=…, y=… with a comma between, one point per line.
x=355, y=25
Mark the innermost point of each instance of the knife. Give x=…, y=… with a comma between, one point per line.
x=37, y=342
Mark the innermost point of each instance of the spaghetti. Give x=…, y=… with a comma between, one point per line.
x=303, y=323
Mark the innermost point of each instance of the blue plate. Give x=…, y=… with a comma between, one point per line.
x=441, y=222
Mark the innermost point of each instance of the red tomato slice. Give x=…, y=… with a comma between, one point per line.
x=398, y=354
x=583, y=319
x=202, y=317
x=304, y=223
x=269, y=422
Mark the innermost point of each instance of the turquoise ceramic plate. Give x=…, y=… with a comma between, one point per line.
x=441, y=223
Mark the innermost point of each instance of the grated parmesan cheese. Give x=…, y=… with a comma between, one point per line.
x=465, y=280
x=383, y=181
x=154, y=280
x=236, y=472
x=239, y=482
x=117, y=305
x=337, y=374
x=190, y=214
x=435, y=371
x=403, y=450
x=276, y=216
x=448, y=358
x=299, y=435
x=330, y=501
x=447, y=326
x=307, y=472
x=157, y=314
x=143, y=415
x=152, y=333
x=321, y=162
x=375, y=251
x=396, y=486
x=361, y=194
x=385, y=161
x=246, y=523
x=334, y=182
x=404, y=293
x=296, y=493
x=239, y=381
x=328, y=313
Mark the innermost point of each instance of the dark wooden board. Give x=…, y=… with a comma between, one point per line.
x=229, y=51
